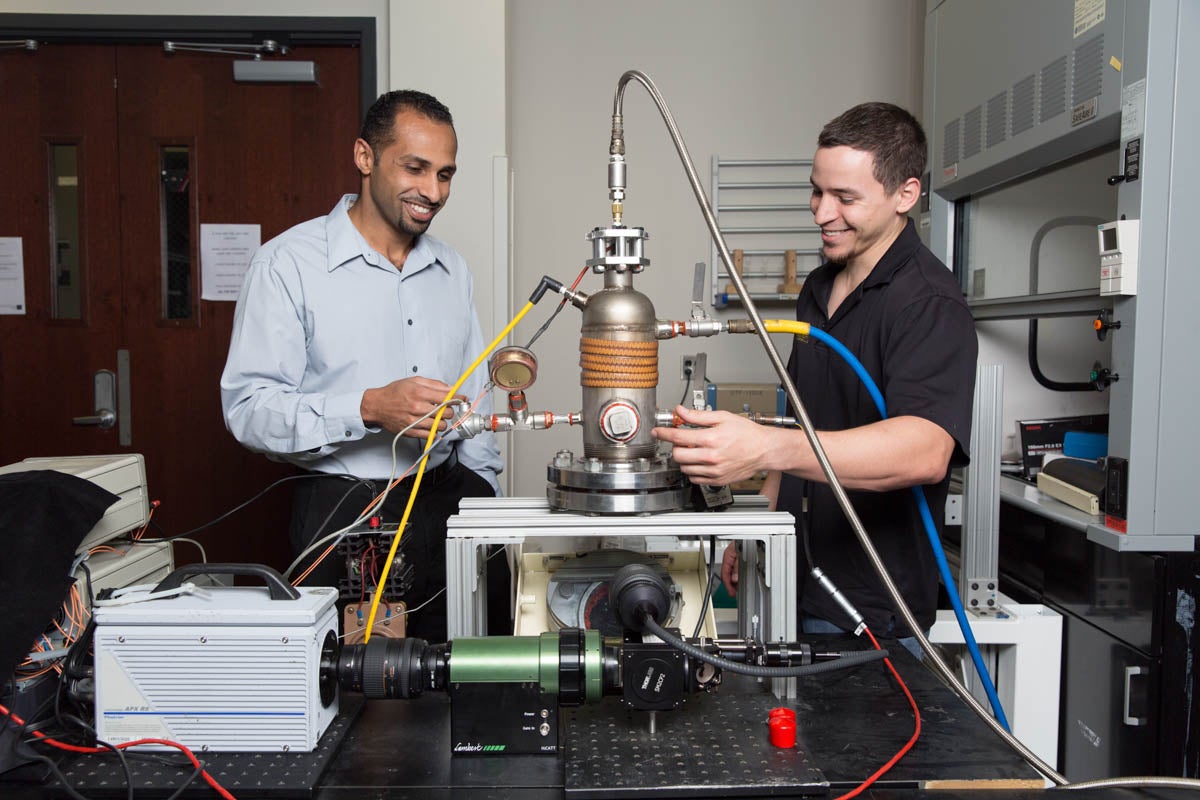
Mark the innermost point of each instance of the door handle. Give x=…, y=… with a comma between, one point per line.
x=1130, y=672
x=112, y=401
x=103, y=417
x=104, y=385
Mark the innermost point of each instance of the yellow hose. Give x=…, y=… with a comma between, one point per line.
x=786, y=326
x=412, y=496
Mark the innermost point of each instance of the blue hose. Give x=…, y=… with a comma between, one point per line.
x=930, y=529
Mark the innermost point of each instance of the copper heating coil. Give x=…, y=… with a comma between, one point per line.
x=617, y=382
x=617, y=348
x=588, y=361
x=638, y=374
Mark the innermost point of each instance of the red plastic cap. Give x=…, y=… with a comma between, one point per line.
x=782, y=731
x=374, y=522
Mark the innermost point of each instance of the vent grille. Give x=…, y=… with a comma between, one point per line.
x=997, y=119
x=950, y=145
x=1054, y=89
x=972, y=132
x=1089, y=70
x=1022, y=105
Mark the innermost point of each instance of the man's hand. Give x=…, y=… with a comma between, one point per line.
x=721, y=448
x=401, y=403
x=729, y=569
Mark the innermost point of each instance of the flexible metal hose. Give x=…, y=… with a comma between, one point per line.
x=846, y=660
x=806, y=423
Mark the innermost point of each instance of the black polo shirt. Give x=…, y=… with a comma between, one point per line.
x=910, y=327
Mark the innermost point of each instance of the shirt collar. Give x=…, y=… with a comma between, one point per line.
x=881, y=274
x=896, y=256
x=347, y=244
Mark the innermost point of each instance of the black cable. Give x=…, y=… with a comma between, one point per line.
x=802, y=524
x=62, y=779
x=346, y=496
x=846, y=660
x=713, y=579
x=546, y=324
x=687, y=387
x=236, y=509
x=190, y=780
x=714, y=575
x=1052, y=385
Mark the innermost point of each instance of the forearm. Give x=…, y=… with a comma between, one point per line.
x=283, y=421
x=882, y=456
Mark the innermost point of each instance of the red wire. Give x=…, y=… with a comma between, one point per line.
x=74, y=748
x=916, y=729
x=582, y=272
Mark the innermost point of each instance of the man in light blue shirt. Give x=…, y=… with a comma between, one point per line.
x=353, y=326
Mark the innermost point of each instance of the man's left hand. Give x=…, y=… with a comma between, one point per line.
x=720, y=448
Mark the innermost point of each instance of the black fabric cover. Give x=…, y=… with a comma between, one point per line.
x=44, y=515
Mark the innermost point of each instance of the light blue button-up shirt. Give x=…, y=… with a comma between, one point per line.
x=322, y=317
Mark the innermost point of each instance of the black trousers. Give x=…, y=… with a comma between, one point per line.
x=424, y=543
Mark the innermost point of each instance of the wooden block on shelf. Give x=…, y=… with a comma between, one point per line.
x=738, y=258
x=790, y=285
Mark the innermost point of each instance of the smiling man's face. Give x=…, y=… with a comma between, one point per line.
x=409, y=182
x=859, y=218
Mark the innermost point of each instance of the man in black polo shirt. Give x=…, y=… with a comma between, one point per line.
x=889, y=300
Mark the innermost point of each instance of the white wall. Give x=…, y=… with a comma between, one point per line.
x=755, y=78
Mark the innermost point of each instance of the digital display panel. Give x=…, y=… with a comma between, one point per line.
x=1108, y=239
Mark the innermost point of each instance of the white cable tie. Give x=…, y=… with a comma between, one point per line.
x=144, y=593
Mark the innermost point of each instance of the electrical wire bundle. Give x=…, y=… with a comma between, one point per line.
x=58, y=722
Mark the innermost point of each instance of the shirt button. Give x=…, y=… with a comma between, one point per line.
x=414, y=369
x=347, y=434
x=410, y=322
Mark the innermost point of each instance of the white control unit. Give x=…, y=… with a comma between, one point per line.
x=1118, y=243
x=229, y=669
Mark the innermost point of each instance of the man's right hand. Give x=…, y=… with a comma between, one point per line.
x=401, y=403
x=729, y=569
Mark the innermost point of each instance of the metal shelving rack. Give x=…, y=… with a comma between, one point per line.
x=768, y=194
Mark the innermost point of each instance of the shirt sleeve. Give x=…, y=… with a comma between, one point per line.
x=260, y=395
x=479, y=453
x=930, y=362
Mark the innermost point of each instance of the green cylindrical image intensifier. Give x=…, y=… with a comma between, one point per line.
x=522, y=659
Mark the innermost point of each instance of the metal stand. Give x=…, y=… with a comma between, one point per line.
x=767, y=592
x=1026, y=640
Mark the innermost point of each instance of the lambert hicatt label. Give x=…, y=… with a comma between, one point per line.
x=472, y=747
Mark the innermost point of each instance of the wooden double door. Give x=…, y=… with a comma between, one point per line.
x=111, y=158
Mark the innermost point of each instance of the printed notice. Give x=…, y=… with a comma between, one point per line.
x=12, y=276
x=225, y=252
x=1133, y=110
x=1088, y=14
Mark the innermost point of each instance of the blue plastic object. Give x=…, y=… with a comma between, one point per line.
x=1081, y=444
x=930, y=529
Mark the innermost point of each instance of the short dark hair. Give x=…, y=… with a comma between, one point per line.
x=379, y=126
x=889, y=133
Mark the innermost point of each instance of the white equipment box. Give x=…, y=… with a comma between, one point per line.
x=227, y=669
x=130, y=564
x=123, y=475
